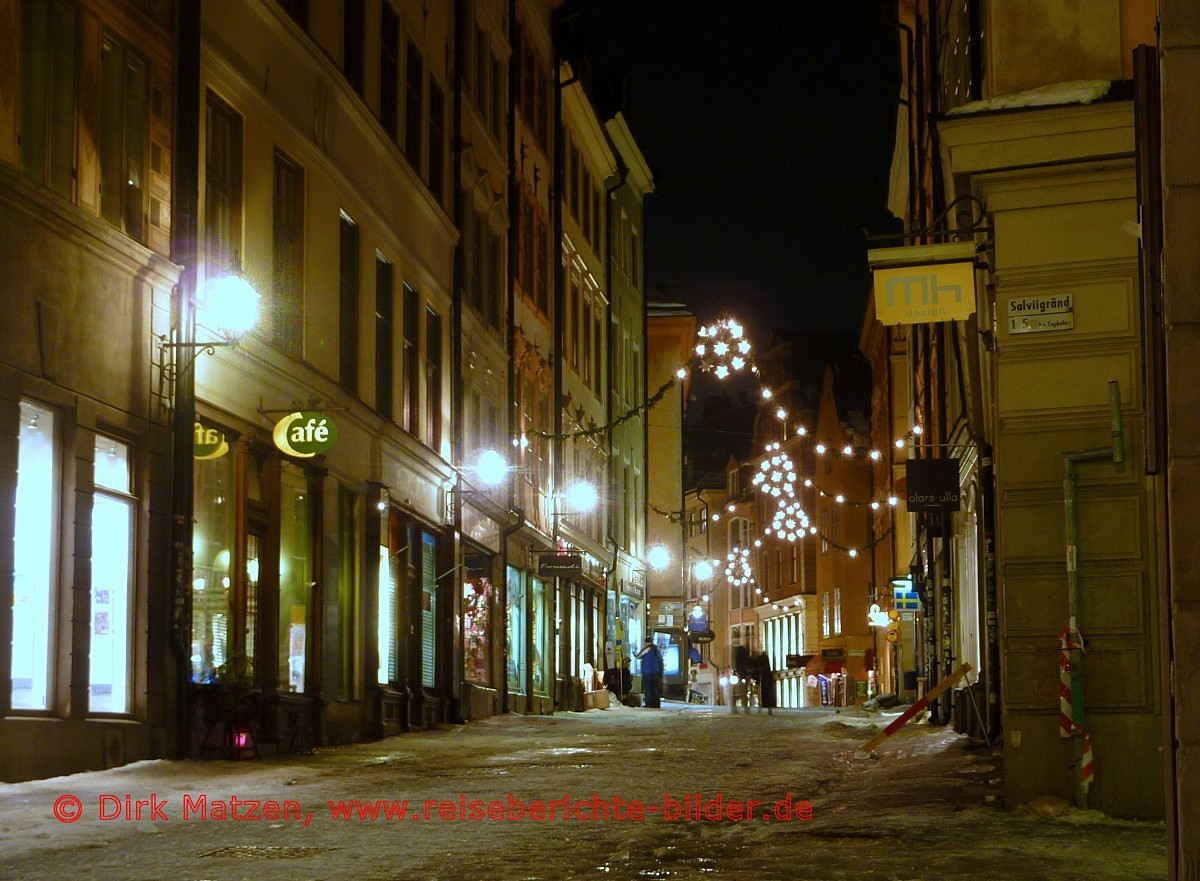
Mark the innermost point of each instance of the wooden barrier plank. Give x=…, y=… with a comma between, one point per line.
x=900, y=720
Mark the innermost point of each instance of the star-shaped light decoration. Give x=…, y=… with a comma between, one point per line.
x=722, y=348
x=737, y=569
x=776, y=474
x=790, y=521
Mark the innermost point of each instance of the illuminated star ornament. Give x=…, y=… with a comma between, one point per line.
x=723, y=348
x=738, y=570
x=776, y=474
x=790, y=522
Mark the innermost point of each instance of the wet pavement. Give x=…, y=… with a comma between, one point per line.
x=682, y=792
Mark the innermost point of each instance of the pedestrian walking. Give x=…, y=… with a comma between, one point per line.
x=741, y=677
x=652, y=673
x=764, y=682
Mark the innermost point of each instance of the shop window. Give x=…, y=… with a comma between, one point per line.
x=112, y=578
x=35, y=547
x=428, y=610
x=517, y=632
x=295, y=576
x=254, y=543
x=477, y=622
x=212, y=548
x=541, y=642
x=387, y=617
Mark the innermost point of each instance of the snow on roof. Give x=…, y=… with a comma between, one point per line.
x=1074, y=92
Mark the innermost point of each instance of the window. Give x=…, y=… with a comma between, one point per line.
x=477, y=622
x=516, y=621
x=825, y=614
x=48, y=33
x=123, y=138
x=288, y=255
x=213, y=544
x=429, y=640
x=412, y=361
x=437, y=141
x=298, y=10
x=348, y=308
x=414, y=105
x=295, y=577
x=389, y=69
x=388, y=656
x=354, y=18
x=35, y=548
x=433, y=378
x=384, y=330
x=837, y=610
x=112, y=578
x=223, y=186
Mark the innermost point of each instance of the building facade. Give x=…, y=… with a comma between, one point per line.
x=289, y=540
x=1018, y=141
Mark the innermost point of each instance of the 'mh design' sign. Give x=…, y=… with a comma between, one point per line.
x=921, y=283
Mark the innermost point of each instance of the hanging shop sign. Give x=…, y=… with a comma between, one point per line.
x=208, y=443
x=304, y=434
x=560, y=565
x=1040, y=314
x=701, y=636
x=932, y=484
x=921, y=283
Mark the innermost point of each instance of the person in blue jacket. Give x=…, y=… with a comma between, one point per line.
x=652, y=673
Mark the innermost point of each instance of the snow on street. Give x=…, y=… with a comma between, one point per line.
x=638, y=789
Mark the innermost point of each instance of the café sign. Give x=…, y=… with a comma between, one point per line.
x=208, y=443
x=305, y=434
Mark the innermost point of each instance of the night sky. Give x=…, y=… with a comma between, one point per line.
x=768, y=128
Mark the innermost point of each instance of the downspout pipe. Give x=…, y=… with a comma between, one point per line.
x=1071, y=460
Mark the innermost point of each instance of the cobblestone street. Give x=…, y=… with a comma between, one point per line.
x=567, y=790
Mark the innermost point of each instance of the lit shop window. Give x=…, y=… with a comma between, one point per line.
x=477, y=629
x=112, y=571
x=541, y=640
x=35, y=542
x=387, y=617
x=212, y=543
x=428, y=610
x=295, y=576
x=517, y=632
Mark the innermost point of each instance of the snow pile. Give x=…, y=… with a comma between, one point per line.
x=1074, y=92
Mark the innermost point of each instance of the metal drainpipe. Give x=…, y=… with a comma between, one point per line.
x=1070, y=460
x=992, y=622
